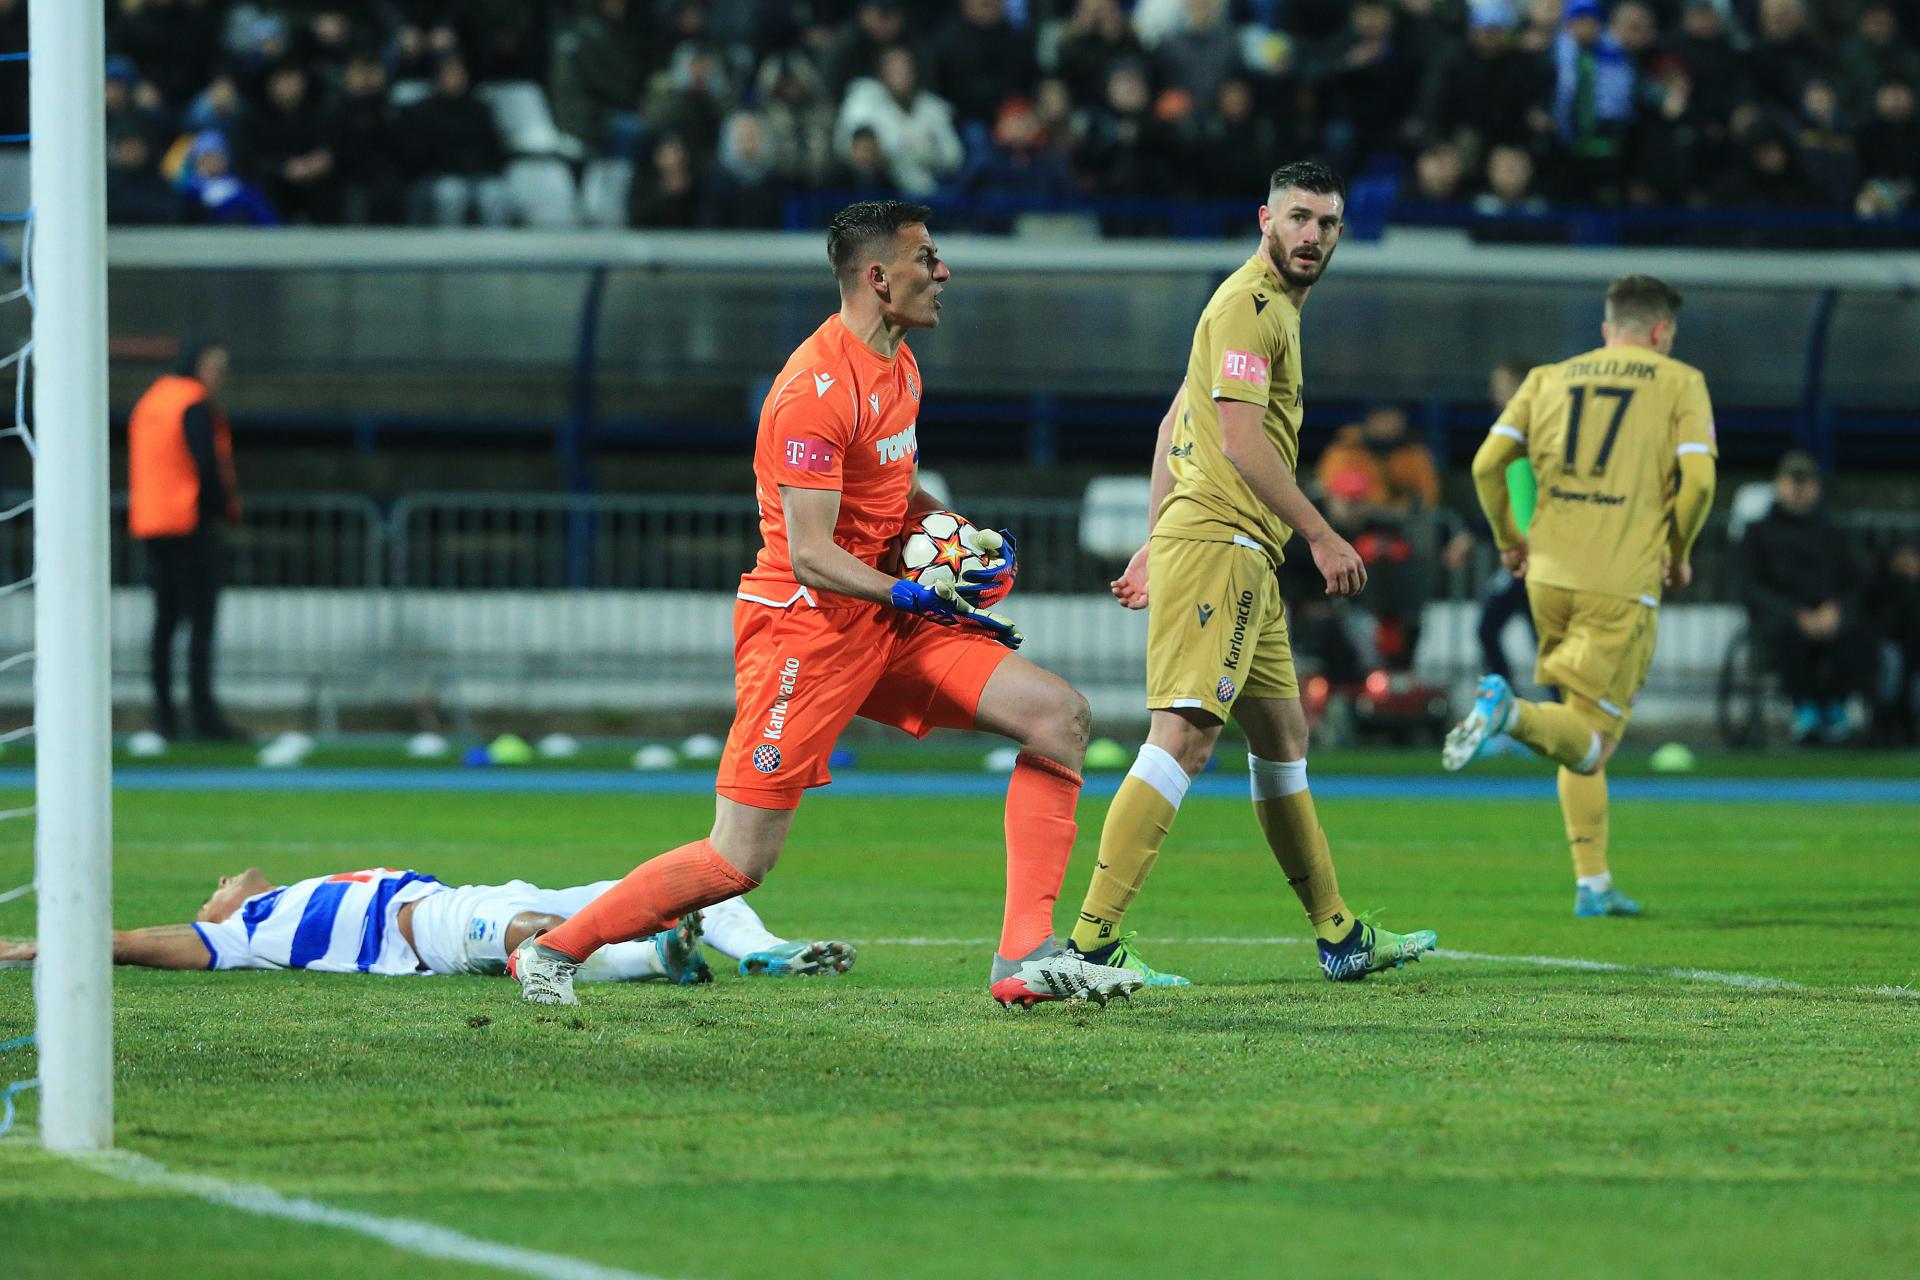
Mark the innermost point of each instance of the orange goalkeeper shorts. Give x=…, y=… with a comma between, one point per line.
x=802, y=674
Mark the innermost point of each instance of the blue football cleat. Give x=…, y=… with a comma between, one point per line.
x=1603, y=902
x=1368, y=950
x=1490, y=716
x=799, y=960
x=680, y=958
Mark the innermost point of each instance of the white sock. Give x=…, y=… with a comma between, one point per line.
x=636, y=961
x=1158, y=769
x=1597, y=884
x=734, y=929
x=1272, y=779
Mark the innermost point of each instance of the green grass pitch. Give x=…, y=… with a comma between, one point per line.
x=1464, y=1117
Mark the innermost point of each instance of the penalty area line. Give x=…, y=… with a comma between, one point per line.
x=406, y=1234
x=1741, y=981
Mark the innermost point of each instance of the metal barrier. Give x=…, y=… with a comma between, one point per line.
x=625, y=602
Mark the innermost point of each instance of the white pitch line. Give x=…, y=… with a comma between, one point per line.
x=1743, y=981
x=423, y=1238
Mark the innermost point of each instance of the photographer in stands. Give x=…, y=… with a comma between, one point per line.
x=1801, y=580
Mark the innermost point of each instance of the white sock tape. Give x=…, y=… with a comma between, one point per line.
x=1159, y=770
x=1272, y=779
x=1592, y=760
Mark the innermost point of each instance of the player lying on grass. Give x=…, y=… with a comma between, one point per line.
x=824, y=633
x=1621, y=442
x=397, y=922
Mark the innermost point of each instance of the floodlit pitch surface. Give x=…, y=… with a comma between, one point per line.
x=1485, y=1117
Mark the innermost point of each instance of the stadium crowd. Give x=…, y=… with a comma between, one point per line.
x=713, y=112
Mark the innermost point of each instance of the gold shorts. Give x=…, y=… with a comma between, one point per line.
x=1216, y=628
x=1596, y=646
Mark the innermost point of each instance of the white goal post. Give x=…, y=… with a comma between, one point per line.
x=73, y=980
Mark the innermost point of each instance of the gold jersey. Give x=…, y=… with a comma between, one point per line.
x=1245, y=348
x=1604, y=433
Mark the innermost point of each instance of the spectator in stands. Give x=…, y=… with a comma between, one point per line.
x=1367, y=87
x=1826, y=152
x=597, y=75
x=1874, y=54
x=1770, y=178
x=323, y=46
x=1236, y=142
x=173, y=43
x=1019, y=162
x=1637, y=32
x=1509, y=184
x=1201, y=52
x=286, y=146
x=1439, y=177
x=1484, y=91
x=1890, y=144
x=979, y=59
x=369, y=161
x=201, y=165
x=797, y=118
x=182, y=493
x=1124, y=148
x=1893, y=602
x=1097, y=38
x=136, y=193
x=1801, y=581
x=505, y=39
x=1540, y=27
x=1786, y=55
x=218, y=107
x=691, y=98
x=418, y=47
x=1717, y=76
x=134, y=105
x=667, y=193
x=457, y=151
x=742, y=188
x=1399, y=470
x=862, y=170
x=915, y=127
x=1593, y=104
x=878, y=25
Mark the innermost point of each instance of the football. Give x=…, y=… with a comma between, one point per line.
x=943, y=545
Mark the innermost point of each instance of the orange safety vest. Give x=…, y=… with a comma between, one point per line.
x=163, y=484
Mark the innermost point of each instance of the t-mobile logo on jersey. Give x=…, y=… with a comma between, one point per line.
x=898, y=445
x=810, y=455
x=1243, y=366
x=777, y=718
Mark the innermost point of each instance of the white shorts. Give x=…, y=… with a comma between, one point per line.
x=464, y=930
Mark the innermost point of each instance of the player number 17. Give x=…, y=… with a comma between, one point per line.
x=1622, y=397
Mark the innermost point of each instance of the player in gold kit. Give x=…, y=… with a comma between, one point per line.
x=1621, y=442
x=1223, y=503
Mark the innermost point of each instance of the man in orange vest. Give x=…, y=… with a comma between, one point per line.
x=182, y=493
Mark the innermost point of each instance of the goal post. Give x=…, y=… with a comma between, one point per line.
x=73, y=980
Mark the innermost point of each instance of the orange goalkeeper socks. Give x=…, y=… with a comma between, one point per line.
x=654, y=895
x=1040, y=830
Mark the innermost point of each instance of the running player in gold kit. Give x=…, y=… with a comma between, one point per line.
x=1621, y=442
x=1224, y=502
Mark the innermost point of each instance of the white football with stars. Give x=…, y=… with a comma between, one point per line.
x=942, y=545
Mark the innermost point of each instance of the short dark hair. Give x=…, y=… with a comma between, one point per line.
x=1641, y=300
x=193, y=349
x=860, y=227
x=1307, y=175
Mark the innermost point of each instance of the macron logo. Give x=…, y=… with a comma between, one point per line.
x=821, y=381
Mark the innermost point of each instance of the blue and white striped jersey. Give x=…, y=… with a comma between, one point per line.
x=334, y=924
